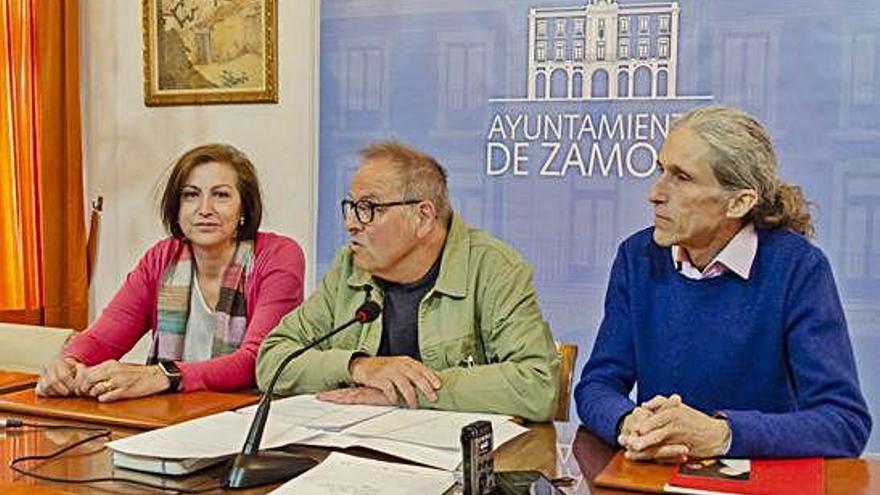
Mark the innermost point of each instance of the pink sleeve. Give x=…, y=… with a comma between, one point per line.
x=274, y=289
x=128, y=315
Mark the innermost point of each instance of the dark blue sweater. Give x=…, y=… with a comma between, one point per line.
x=772, y=352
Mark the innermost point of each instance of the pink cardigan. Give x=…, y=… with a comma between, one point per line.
x=274, y=288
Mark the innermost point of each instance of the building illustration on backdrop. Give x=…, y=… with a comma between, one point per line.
x=603, y=50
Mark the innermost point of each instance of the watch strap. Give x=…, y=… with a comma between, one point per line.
x=172, y=372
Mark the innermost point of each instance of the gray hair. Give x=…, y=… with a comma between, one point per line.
x=743, y=158
x=419, y=175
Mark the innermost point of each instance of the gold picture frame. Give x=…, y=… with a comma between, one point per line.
x=199, y=52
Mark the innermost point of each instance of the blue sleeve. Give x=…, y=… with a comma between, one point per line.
x=602, y=395
x=832, y=419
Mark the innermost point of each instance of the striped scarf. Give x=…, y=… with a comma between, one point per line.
x=175, y=293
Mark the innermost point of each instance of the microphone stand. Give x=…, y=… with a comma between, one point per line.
x=252, y=467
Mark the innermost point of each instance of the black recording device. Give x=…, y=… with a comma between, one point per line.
x=478, y=468
x=478, y=465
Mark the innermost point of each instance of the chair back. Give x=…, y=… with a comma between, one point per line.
x=94, y=232
x=567, y=357
x=26, y=348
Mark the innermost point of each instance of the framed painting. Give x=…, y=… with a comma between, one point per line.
x=210, y=51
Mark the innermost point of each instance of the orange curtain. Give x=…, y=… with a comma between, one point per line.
x=42, y=228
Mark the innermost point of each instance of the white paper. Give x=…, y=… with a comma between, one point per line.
x=425, y=436
x=432, y=428
x=445, y=459
x=210, y=436
x=349, y=475
x=308, y=411
x=331, y=439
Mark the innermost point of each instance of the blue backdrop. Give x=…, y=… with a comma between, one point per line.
x=548, y=115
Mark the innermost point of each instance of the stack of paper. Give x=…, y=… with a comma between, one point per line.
x=341, y=473
x=198, y=443
x=424, y=436
x=431, y=428
x=309, y=412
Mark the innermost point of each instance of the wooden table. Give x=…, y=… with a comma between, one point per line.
x=14, y=380
x=145, y=413
x=532, y=450
x=535, y=449
x=557, y=451
x=88, y=461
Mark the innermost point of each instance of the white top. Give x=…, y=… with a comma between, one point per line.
x=199, y=339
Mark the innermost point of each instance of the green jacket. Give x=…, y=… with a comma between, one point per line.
x=480, y=329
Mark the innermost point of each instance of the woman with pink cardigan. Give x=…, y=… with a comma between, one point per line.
x=209, y=293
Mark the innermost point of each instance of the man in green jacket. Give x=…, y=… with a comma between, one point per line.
x=460, y=328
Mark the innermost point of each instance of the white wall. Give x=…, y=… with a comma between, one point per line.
x=127, y=146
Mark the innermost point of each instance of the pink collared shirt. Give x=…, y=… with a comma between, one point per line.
x=737, y=257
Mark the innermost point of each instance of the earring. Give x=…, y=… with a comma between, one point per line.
x=241, y=221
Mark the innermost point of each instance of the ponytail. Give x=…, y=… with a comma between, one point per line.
x=788, y=209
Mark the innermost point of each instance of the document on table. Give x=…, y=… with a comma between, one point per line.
x=431, y=428
x=340, y=473
x=425, y=436
x=210, y=436
x=308, y=411
x=446, y=459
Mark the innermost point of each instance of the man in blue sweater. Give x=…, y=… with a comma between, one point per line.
x=724, y=314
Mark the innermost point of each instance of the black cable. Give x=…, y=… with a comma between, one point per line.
x=13, y=423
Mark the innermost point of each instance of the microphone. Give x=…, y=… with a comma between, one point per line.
x=254, y=468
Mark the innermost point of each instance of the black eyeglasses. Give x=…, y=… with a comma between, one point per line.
x=365, y=210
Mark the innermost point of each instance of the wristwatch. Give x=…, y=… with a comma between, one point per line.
x=172, y=372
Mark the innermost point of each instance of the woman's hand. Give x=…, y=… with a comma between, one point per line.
x=58, y=378
x=112, y=380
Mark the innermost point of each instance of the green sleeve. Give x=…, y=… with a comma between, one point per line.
x=322, y=368
x=521, y=377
